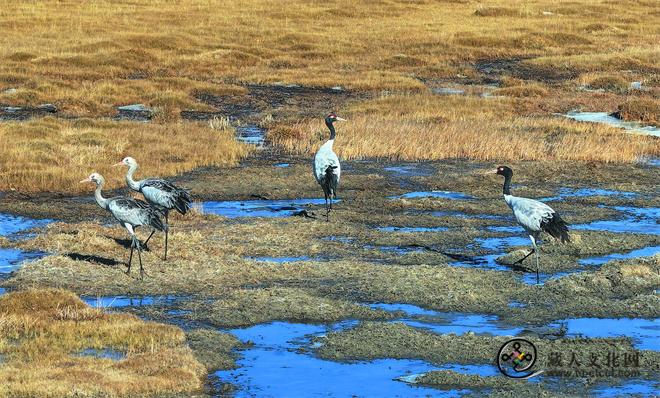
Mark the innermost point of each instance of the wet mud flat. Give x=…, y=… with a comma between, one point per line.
x=415, y=254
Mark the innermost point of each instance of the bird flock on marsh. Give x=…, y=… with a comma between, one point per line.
x=162, y=196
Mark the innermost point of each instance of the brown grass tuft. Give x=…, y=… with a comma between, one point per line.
x=645, y=110
x=614, y=83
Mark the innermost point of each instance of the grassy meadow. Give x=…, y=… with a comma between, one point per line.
x=53, y=154
x=543, y=56
x=43, y=330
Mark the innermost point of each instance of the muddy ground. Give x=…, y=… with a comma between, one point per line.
x=219, y=281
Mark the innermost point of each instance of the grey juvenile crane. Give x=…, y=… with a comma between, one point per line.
x=534, y=216
x=327, y=169
x=131, y=213
x=161, y=194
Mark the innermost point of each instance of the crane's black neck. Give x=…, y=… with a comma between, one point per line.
x=507, y=184
x=331, y=128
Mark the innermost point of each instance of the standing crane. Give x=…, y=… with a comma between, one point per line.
x=534, y=216
x=327, y=169
x=131, y=213
x=161, y=194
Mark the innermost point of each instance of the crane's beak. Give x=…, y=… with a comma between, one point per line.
x=490, y=172
x=118, y=164
x=85, y=180
x=341, y=119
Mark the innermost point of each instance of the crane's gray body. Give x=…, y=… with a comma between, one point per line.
x=326, y=165
x=529, y=213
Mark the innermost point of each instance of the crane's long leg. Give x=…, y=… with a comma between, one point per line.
x=130, y=258
x=527, y=255
x=150, y=235
x=536, y=252
x=537, y=266
x=129, y=228
x=327, y=210
x=139, y=249
x=167, y=231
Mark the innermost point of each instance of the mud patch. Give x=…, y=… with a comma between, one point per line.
x=9, y=113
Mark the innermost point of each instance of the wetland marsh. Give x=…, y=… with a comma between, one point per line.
x=413, y=285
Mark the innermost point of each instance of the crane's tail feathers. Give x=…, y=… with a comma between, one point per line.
x=182, y=201
x=156, y=222
x=330, y=182
x=557, y=228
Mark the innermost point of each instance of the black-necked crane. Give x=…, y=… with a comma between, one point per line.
x=534, y=216
x=161, y=194
x=131, y=213
x=327, y=169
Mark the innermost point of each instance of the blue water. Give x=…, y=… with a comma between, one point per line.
x=641, y=220
x=640, y=212
x=11, y=224
x=408, y=170
x=400, y=250
x=644, y=332
x=638, y=226
x=251, y=135
x=585, y=192
x=282, y=165
x=258, y=208
x=106, y=353
x=655, y=162
x=514, y=229
x=11, y=259
x=434, y=194
x=484, y=262
x=412, y=229
x=465, y=215
x=631, y=388
x=273, y=367
x=129, y=301
x=449, y=322
x=409, y=309
x=643, y=252
x=499, y=243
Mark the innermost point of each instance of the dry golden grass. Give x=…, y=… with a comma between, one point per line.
x=53, y=154
x=431, y=127
x=88, y=56
x=42, y=330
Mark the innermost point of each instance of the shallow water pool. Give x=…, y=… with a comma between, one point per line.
x=258, y=208
x=644, y=332
x=606, y=118
x=434, y=194
x=275, y=366
x=643, y=252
